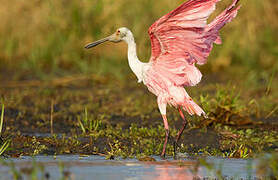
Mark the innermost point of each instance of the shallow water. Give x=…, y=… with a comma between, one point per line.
x=96, y=167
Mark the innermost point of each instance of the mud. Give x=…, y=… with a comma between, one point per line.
x=115, y=110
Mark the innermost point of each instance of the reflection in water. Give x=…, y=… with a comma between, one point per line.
x=172, y=170
x=175, y=173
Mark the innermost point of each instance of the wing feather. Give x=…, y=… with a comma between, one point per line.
x=182, y=37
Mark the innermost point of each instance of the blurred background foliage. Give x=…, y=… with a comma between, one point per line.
x=45, y=39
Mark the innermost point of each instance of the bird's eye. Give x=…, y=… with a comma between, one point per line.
x=118, y=31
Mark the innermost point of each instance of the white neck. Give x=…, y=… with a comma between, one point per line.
x=134, y=63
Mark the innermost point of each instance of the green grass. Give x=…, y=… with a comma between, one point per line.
x=2, y=118
x=88, y=124
x=115, y=118
x=52, y=43
x=4, y=144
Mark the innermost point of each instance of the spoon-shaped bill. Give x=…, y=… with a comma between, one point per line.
x=93, y=44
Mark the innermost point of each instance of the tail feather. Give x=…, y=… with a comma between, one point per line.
x=192, y=108
x=189, y=110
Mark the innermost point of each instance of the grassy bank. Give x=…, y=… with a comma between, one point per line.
x=121, y=119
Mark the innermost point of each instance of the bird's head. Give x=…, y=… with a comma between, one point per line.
x=120, y=35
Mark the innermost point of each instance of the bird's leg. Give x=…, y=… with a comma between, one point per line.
x=183, y=126
x=162, y=108
x=167, y=132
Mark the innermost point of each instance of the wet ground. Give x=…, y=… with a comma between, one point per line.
x=83, y=116
x=104, y=116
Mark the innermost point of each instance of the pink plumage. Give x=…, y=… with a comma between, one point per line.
x=179, y=40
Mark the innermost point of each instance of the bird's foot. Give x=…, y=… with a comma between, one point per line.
x=175, y=146
x=162, y=155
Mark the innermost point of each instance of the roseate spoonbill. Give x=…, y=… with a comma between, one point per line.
x=179, y=40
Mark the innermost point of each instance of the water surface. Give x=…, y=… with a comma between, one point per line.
x=96, y=167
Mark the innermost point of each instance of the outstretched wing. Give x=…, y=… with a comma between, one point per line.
x=184, y=31
x=183, y=36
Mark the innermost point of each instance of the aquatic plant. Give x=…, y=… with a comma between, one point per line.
x=35, y=170
x=88, y=124
x=4, y=143
x=268, y=166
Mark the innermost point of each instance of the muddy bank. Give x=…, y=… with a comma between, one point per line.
x=115, y=119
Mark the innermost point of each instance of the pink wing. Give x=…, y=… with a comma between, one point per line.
x=182, y=38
